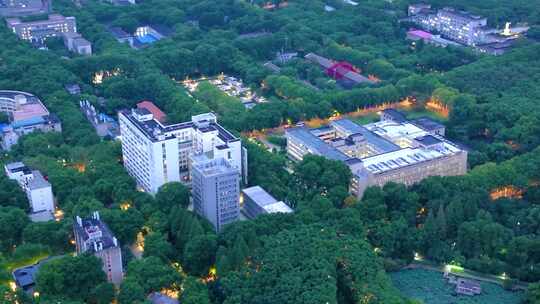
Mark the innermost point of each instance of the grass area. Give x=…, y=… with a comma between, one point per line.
x=12, y=265
x=363, y=120
x=430, y=287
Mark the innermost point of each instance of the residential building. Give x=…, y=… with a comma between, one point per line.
x=38, y=190
x=93, y=236
x=216, y=190
x=156, y=152
x=26, y=114
x=38, y=31
x=391, y=150
x=77, y=44
x=257, y=201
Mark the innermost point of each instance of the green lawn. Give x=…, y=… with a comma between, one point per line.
x=363, y=120
x=431, y=288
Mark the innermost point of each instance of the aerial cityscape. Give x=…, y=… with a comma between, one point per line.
x=269, y=151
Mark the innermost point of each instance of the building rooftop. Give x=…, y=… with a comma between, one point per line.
x=428, y=140
x=155, y=130
x=427, y=123
x=150, y=106
x=381, y=144
x=17, y=167
x=38, y=182
x=96, y=231
x=393, y=145
x=396, y=115
x=406, y=157
x=278, y=207
x=212, y=166
x=316, y=144
x=259, y=196
x=420, y=34
x=29, y=110
x=25, y=276
x=119, y=33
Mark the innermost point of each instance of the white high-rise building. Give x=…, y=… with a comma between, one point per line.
x=156, y=153
x=216, y=190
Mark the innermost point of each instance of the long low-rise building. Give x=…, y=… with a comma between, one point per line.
x=257, y=201
x=26, y=114
x=391, y=150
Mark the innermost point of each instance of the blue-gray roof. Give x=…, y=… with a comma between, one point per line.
x=383, y=145
x=315, y=144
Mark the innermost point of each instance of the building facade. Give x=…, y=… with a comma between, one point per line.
x=391, y=150
x=156, y=153
x=216, y=190
x=26, y=114
x=39, y=31
x=93, y=236
x=38, y=190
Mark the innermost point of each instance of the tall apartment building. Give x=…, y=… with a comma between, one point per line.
x=26, y=114
x=391, y=150
x=156, y=152
x=216, y=190
x=93, y=236
x=38, y=31
x=37, y=189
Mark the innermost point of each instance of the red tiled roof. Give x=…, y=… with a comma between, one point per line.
x=150, y=106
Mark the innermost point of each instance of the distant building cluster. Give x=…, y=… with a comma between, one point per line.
x=26, y=114
x=93, y=236
x=56, y=25
x=461, y=27
x=38, y=190
x=199, y=151
x=391, y=150
x=18, y=8
x=257, y=201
